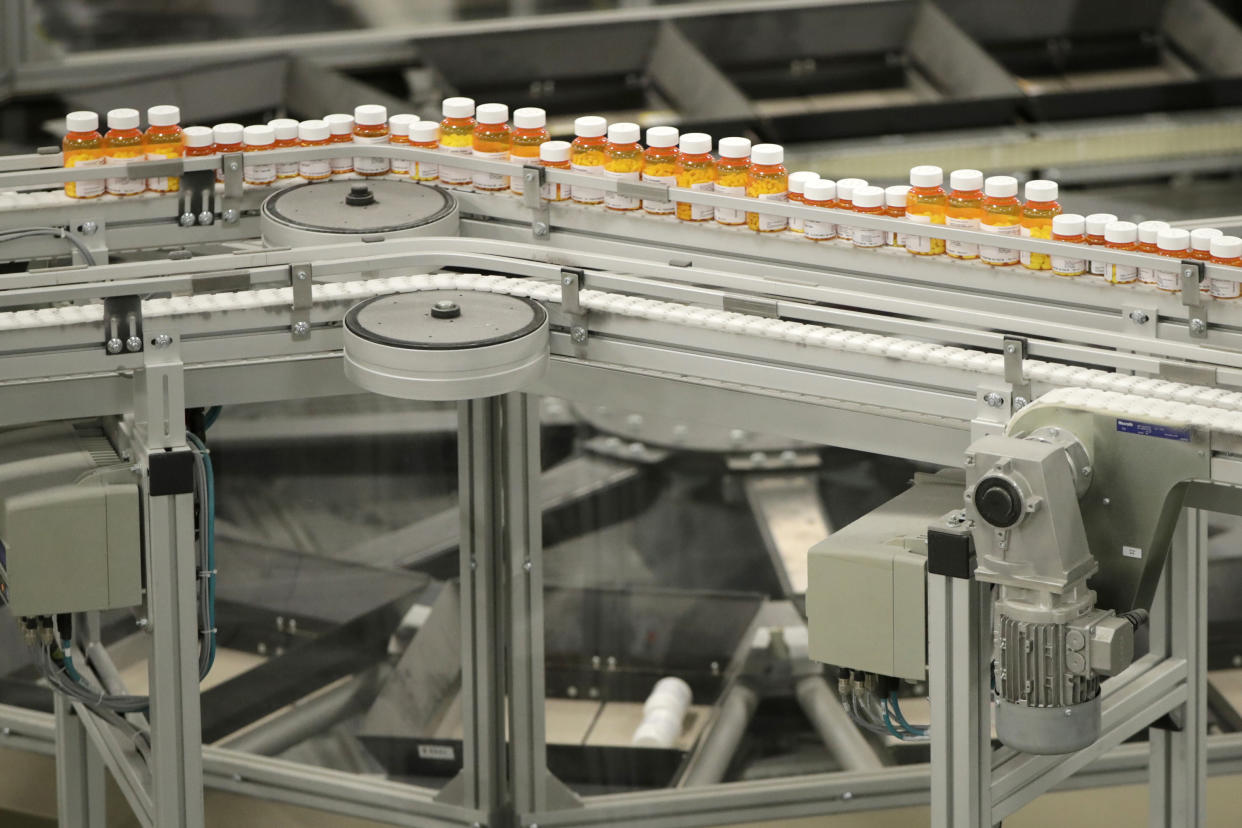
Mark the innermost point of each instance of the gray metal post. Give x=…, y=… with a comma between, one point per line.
x=176, y=731
x=80, y=790
x=502, y=607
x=1178, y=769
x=958, y=636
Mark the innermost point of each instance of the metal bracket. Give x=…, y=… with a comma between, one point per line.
x=1140, y=318
x=196, y=201
x=533, y=178
x=1014, y=350
x=233, y=186
x=302, y=280
x=1192, y=279
x=122, y=325
x=571, y=284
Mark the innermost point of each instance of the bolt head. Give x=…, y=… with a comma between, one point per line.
x=133, y=344
x=1011, y=348
x=301, y=274
x=89, y=228
x=206, y=217
x=528, y=566
x=1198, y=326
x=993, y=399
x=540, y=228
x=163, y=340
x=231, y=215
x=1139, y=317
x=578, y=335
x=1020, y=403
x=114, y=345
x=301, y=328
x=186, y=219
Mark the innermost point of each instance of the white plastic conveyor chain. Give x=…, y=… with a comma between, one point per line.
x=1130, y=406
x=813, y=336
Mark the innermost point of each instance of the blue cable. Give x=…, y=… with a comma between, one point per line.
x=209, y=473
x=211, y=415
x=888, y=724
x=68, y=662
x=896, y=707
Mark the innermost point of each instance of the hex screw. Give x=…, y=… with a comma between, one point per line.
x=133, y=344
x=89, y=228
x=206, y=217
x=301, y=328
x=1139, y=317
x=162, y=341
x=540, y=228
x=578, y=334
x=1198, y=326
x=187, y=219
x=231, y=215
x=1020, y=403
x=114, y=345
x=994, y=399
x=301, y=274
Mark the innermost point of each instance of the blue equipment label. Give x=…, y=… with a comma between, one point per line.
x=1154, y=430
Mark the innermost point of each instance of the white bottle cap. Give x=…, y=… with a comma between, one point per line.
x=847, y=186
x=868, y=196
x=1096, y=222
x=229, y=133
x=767, y=154
x=339, y=123
x=163, y=115
x=286, y=128
x=82, y=121
x=590, y=126
x=398, y=124
x=669, y=693
x=624, y=133
x=457, y=107
x=895, y=196
x=1227, y=247
x=258, y=135
x=966, y=180
x=529, y=117
x=492, y=113
x=370, y=114
x=1149, y=230
x=1000, y=186
x=820, y=189
x=1172, y=238
x=926, y=175
x=733, y=147
x=424, y=132
x=1201, y=237
x=1068, y=224
x=695, y=143
x=197, y=136
x=1119, y=232
x=314, y=130
x=662, y=136
x=1041, y=190
x=798, y=180
x=123, y=119
x=554, y=151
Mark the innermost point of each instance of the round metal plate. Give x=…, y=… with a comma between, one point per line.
x=316, y=212
x=396, y=346
x=405, y=320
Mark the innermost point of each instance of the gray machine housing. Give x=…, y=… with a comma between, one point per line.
x=867, y=583
x=69, y=521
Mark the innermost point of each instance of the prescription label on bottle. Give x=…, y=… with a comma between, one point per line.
x=1170, y=280
x=121, y=185
x=1099, y=268
x=959, y=249
x=454, y=175
x=1122, y=274
x=259, y=173
x=424, y=170
x=86, y=189
x=314, y=168
x=767, y=221
x=727, y=215
x=1224, y=289
x=400, y=166
x=701, y=212
x=846, y=232
x=999, y=255
x=616, y=201
x=553, y=191
x=163, y=183
x=916, y=244
x=369, y=164
x=819, y=230
x=1132, y=551
x=866, y=237
x=588, y=195
x=656, y=206
x=1146, y=275
x=894, y=239
x=342, y=165
x=1068, y=266
x=487, y=180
